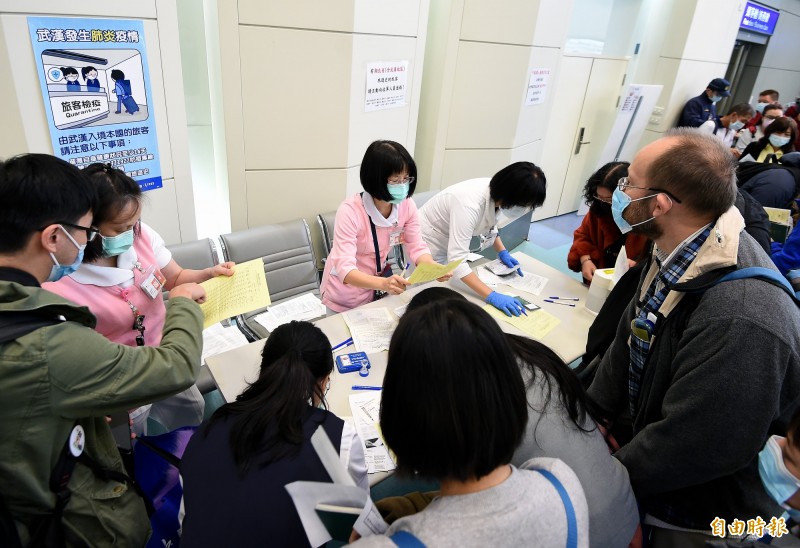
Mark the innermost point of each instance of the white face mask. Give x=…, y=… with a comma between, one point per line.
x=514, y=212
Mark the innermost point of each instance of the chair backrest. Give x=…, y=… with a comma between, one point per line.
x=196, y=255
x=421, y=197
x=287, y=253
x=326, y=221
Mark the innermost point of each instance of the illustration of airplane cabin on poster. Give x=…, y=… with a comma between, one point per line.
x=96, y=88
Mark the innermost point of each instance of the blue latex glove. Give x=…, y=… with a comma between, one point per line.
x=506, y=258
x=506, y=303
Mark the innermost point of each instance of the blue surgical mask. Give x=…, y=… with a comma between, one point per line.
x=398, y=192
x=736, y=126
x=716, y=99
x=760, y=107
x=777, y=480
x=58, y=270
x=117, y=245
x=620, y=201
x=777, y=141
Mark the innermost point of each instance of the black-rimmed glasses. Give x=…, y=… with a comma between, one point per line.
x=91, y=232
x=624, y=183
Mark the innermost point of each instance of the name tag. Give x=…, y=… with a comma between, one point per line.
x=396, y=236
x=153, y=282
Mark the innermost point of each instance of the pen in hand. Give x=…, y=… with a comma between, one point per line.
x=403, y=273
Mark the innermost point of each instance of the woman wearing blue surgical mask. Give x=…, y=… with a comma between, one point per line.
x=779, y=468
x=778, y=140
x=370, y=223
x=121, y=278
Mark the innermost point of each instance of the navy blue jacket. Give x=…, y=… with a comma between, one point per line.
x=698, y=110
x=224, y=509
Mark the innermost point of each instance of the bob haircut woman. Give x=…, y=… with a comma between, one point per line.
x=237, y=465
x=454, y=409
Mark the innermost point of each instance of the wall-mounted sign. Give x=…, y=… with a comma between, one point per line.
x=386, y=85
x=537, y=86
x=96, y=86
x=759, y=18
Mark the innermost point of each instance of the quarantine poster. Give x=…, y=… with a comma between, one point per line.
x=96, y=87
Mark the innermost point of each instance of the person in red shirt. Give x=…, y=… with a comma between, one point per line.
x=598, y=241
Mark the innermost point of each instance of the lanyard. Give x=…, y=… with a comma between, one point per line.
x=138, y=319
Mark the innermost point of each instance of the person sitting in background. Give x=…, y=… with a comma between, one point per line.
x=236, y=465
x=779, y=468
x=461, y=427
x=772, y=112
x=766, y=97
x=368, y=224
x=598, y=241
x=561, y=425
x=470, y=208
x=732, y=123
x=702, y=108
x=778, y=139
x=771, y=184
x=120, y=281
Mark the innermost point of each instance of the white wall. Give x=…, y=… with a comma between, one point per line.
x=171, y=209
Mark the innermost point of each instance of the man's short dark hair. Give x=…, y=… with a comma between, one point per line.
x=382, y=160
x=699, y=169
x=773, y=93
x=519, y=184
x=37, y=190
x=772, y=106
x=743, y=110
x=454, y=402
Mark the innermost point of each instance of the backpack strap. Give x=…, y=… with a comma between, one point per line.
x=572, y=520
x=771, y=276
x=404, y=539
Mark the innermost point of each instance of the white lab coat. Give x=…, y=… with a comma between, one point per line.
x=452, y=217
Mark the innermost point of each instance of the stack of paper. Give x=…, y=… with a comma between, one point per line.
x=366, y=416
x=305, y=307
x=228, y=296
x=218, y=339
x=371, y=328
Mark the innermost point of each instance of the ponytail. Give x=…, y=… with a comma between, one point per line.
x=268, y=416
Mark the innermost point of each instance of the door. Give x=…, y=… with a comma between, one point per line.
x=597, y=114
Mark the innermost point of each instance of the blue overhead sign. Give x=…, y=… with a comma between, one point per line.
x=759, y=18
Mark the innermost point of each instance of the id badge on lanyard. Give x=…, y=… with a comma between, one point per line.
x=151, y=281
x=487, y=239
x=396, y=236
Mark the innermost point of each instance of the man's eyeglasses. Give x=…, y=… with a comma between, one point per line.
x=624, y=183
x=91, y=232
x=406, y=181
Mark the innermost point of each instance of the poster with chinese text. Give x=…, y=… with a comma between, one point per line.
x=95, y=83
x=386, y=85
x=537, y=86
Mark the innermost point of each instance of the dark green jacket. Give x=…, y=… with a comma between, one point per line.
x=65, y=372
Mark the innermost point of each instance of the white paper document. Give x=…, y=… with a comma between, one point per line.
x=498, y=267
x=371, y=328
x=304, y=307
x=218, y=339
x=400, y=310
x=342, y=495
x=474, y=257
x=366, y=416
x=528, y=282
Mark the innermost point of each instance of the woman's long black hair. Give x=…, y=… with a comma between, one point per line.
x=267, y=418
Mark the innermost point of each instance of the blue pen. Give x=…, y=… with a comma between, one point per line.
x=403, y=273
x=565, y=298
x=363, y=387
x=556, y=302
x=342, y=344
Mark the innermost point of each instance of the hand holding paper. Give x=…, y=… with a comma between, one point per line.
x=227, y=296
x=427, y=272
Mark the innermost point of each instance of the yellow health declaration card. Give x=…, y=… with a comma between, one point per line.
x=536, y=324
x=228, y=296
x=427, y=272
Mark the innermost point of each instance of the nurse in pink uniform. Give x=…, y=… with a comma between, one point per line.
x=368, y=224
x=121, y=280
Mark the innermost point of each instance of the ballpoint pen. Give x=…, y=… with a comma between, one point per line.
x=403, y=273
x=556, y=302
x=565, y=298
x=363, y=387
x=342, y=344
